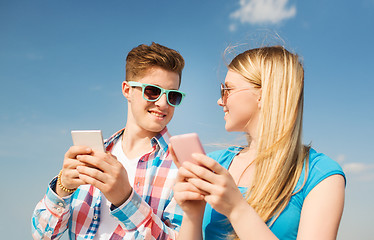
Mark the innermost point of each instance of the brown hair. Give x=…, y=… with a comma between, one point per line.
x=143, y=57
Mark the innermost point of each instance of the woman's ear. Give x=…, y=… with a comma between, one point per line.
x=259, y=100
x=126, y=90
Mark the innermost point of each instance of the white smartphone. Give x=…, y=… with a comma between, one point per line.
x=90, y=138
x=185, y=145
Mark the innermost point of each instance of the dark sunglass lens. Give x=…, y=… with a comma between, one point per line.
x=152, y=92
x=175, y=98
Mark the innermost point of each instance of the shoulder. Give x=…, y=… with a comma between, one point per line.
x=225, y=156
x=320, y=167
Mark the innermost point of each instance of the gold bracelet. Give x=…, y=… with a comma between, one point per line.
x=62, y=186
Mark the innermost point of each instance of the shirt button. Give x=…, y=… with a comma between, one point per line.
x=95, y=217
x=61, y=204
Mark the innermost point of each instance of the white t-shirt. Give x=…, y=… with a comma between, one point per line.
x=108, y=223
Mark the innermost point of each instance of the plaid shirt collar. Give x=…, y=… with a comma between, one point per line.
x=158, y=142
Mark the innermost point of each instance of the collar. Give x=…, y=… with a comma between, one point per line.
x=158, y=142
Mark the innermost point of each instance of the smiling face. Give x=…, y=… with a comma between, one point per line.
x=241, y=104
x=149, y=118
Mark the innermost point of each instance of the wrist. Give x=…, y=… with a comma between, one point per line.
x=196, y=213
x=238, y=210
x=61, y=190
x=127, y=195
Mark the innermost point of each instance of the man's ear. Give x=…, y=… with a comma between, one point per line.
x=126, y=90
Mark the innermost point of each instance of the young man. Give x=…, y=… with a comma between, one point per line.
x=125, y=193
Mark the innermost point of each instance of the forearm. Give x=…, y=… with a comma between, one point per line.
x=248, y=224
x=191, y=228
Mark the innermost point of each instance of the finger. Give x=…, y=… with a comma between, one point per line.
x=92, y=181
x=186, y=186
x=70, y=164
x=70, y=178
x=91, y=173
x=108, y=157
x=184, y=174
x=70, y=173
x=77, y=150
x=208, y=163
x=201, y=172
x=205, y=187
x=187, y=191
x=187, y=196
x=175, y=159
x=94, y=162
x=107, y=160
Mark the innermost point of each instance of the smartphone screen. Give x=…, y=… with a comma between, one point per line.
x=90, y=138
x=185, y=145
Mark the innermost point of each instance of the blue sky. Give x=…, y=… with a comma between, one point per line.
x=62, y=64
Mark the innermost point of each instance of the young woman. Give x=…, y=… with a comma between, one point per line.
x=274, y=188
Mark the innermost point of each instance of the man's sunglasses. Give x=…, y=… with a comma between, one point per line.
x=153, y=93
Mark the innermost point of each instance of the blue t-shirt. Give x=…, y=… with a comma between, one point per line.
x=217, y=226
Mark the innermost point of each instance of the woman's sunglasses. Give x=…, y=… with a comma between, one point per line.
x=153, y=93
x=225, y=92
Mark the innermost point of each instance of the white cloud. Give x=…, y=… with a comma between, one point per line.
x=361, y=171
x=355, y=168
x=263, y=11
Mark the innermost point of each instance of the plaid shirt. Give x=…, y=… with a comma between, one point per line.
x=150, y=212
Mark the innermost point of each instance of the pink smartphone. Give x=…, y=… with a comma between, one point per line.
x=185, y=145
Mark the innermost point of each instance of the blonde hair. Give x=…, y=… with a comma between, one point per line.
x=280, y=153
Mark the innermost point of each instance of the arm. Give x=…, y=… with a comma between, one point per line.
x=51, y=215
x=192, y=202
x=322, y=209
x=224, y=196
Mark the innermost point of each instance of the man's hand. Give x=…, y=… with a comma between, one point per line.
x=70, y=176
x=105, y=172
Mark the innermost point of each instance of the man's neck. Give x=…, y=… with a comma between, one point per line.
x=136, y=142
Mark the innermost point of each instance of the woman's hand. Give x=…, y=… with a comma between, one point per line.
x=218, y=186
x=191, y=200
x=189, y=197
